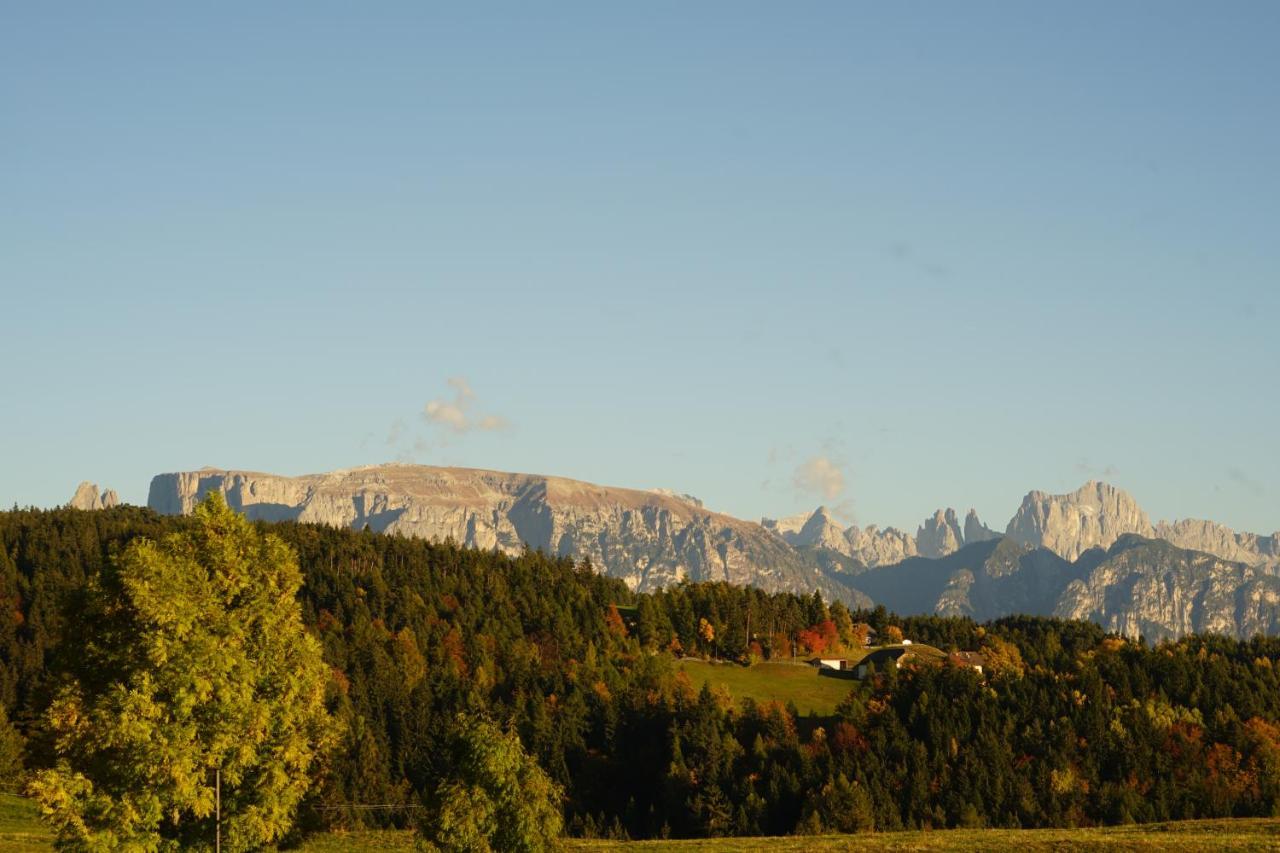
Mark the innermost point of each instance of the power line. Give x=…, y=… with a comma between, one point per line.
x=369, y=806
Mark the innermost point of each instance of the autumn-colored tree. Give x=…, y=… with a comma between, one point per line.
x=1003, y=657
x=199, y=665
x=706, y=632
x=819, y=638
x=893, y=634
x=613, y=621
x=861, y=632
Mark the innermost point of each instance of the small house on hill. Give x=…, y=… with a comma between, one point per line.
x=974, y=660
x=881, y=657
x=900, y=655
x=840, y=664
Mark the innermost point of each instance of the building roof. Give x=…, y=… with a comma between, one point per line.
x=882, y=655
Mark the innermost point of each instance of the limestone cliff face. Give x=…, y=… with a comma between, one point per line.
x=1095, y=515
x=649, y=539
x=975, y=530
x=871, y=546
x=87, y=497
x=1152, y=588
x=820, y=530
x=1222, y=541
x=985, y=580
x=875, y=547
x=940, y=535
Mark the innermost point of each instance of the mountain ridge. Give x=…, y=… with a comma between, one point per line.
x=1070, y=554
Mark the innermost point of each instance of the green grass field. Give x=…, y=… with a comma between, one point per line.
x=20, y=826
x=1206, y=835
x=772, y=681
x=781, y=681
x=21, y=831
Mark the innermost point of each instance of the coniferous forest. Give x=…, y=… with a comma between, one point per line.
x=1067, y=726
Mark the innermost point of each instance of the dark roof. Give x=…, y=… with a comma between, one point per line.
x=889, y=653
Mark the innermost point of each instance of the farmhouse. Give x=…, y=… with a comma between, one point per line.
x=975, y=660
x=880, y=658
x=839, y=664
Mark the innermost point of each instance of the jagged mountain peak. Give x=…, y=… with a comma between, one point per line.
x=87, y=497
x=1097, y=513
x=821, y=530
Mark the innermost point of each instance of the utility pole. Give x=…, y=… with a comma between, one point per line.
x=217, y=810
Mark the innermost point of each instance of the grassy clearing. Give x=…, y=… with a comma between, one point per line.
x=22, y=832
x=1261, y=834
x=783, y=681
x=772, y=681
x=20, y=826
x=1206, y=835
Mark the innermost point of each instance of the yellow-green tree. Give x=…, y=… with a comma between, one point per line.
x=198, y=666
x=496, y=798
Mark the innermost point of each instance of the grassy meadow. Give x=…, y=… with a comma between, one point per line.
x=780, y=681
x=21, y=832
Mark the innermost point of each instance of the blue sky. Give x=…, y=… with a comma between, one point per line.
x=885, y=256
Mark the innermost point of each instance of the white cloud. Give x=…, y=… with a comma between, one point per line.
x=448, y=414
x=456, y=414
x=819, y=475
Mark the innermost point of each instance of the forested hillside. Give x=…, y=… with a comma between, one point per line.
x=1067, y=726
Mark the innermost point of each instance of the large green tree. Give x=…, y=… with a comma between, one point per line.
x=196, y=663
x=497, y=797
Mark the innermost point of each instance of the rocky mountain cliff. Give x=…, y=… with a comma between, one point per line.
x=1152, y=588
x=1095, y=515
x=87, y=497
x=986, y=580
x=1092, y=553
x=1220, y=540
x=649, y=539
x=1098, y=515
x=1137, y=587
x=937, y=536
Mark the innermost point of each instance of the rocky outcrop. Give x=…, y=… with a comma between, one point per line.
x=985, y=580
x=975, y=530
x=1222, y=541
x=1152, y=588
x=875, y=547
x=940, y=535
x=820, y=530
x=87, y=497
x=1095, y=515
x=1138, y=587
x=648, y=539
x=1090, y=554
x=871, y=546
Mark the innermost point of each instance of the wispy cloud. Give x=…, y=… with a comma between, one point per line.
x=819, y=475
x=1243, y=479
x=440, y=421
x=457, y=414
x=1088, y=469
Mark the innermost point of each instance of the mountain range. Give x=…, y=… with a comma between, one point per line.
x=1089, y=554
